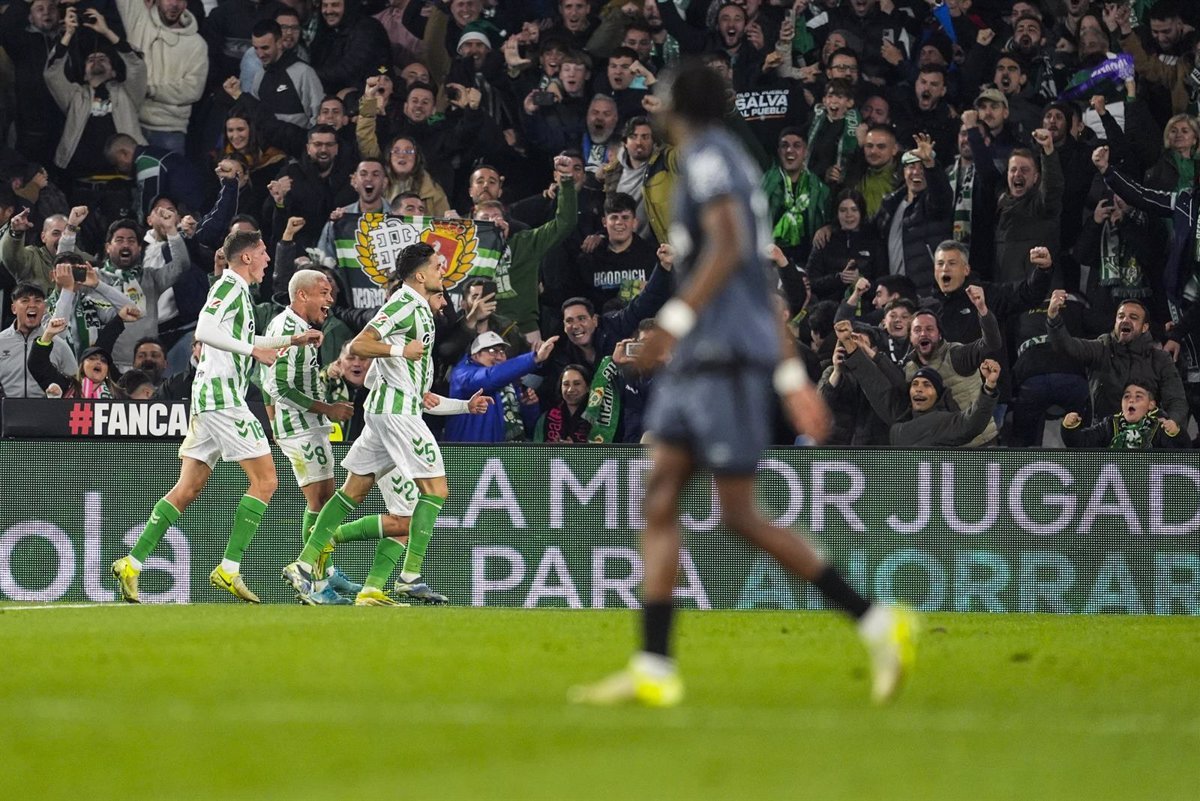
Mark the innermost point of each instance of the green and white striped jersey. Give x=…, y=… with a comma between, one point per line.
x=222, y=376
x=293, y=382
x=402, y=383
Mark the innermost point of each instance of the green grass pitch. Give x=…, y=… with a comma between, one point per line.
x=228, y=702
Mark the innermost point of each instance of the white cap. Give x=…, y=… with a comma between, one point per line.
x=488, y=339
x=474, y=36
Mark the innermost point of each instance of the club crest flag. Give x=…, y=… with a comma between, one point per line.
x=367, y=246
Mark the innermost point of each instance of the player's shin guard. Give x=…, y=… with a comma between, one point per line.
x=387, y=554
x=249, y=514
x=365, y=528
x=333, y=513
x=420, y=533
x=162, y=518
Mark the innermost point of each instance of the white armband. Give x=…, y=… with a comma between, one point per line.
x=790, y=376
x=676, y=318
x=449, y=406
x=397, y=351
x=272, y=343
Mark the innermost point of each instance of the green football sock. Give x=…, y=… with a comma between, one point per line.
x=365, y=528
x=162, y=518
x=387, y=554
x=245, y=522
x=310, y=519
x=333, y=513
x=420, y=533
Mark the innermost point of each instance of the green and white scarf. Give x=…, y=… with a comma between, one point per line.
x=603, y=409
x=963, y=181
x=514, y=426
x=846, y=144
x=1120, y=270
x=1134, y=436
x=790, y=230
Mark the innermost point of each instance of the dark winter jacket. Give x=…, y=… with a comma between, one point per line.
x=1112, y=366
x=1032, y=220
x=928, y=221
x=938, y=427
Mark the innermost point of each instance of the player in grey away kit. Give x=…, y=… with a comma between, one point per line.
x=712, y=405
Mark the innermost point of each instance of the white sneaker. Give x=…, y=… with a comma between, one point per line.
x=890, y=634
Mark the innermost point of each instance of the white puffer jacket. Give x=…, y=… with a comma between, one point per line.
x=176, y=64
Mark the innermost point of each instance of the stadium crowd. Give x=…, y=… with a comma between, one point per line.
x=984, y=211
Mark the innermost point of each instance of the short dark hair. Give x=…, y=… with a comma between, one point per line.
x=69, y=257
x=840, y=87
x=412, y=87
x=792, y=130
x=1014, y=58
x=821, y=317
x=267, y=27
x=616, y=202
x=901, y=303
x=900, y=285
x=327, y=98
x=1136, y=302
x=936, y=317
x=692, y=95
x=882, y=127
x=131, y=379
x=25, y=290
x=579, y=301
x=117, y=225
x=932, y=68
x=239, y=242
x=244, y=218
x=409, y=260
x=286, y=11
x=322, y=129
x=1151, y=391
x=638, y=25
x=148, y=341
x=844, y=51
x=623, y=52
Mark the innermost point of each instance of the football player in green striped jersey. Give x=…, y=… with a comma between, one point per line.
x=221, y=425
x=400, y=339
x=300, y=414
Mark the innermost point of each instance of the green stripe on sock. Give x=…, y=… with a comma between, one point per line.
x=387, y=554
x=162, y=517
x=249, y=514
x=365, y=528
x=333, y=513
x=421, y=531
